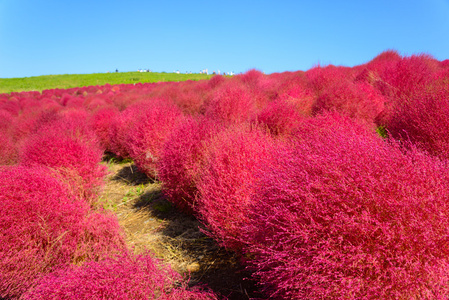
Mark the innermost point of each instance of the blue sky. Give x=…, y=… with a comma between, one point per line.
x=95, y=36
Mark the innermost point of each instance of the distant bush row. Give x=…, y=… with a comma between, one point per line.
x=56, y=241
x=331, y=183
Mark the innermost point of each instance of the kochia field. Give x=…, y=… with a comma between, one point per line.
x=330, y=183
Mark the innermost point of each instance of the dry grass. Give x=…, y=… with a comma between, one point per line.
x=152, y=223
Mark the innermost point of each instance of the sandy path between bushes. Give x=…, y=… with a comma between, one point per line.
x=151, y=223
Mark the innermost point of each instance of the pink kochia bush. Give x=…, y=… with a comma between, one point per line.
x=43, y=229
x=122, y=278
x=182, y=159
x=340, y=214
x=280, y=117
x=356, y=100
x=71, y=150
x=423, y=118
x=8, y=150
x=231, y=103
x=153, y=122
x=226, y=180
x=100, y=122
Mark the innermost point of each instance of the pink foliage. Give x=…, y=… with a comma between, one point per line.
x=12, y=105
x=321, y=78
x=295, y=89
x=70, y=148
x=182, y=158
x=118, y=131
x=8, y=151
x=411, y=74
x=100, y=122
x=424, y=120
x=133, y=278
x=356, y=100
x=43, y=229
x=280, y=117
x=226, y=181
x=343, y=215
x=231, y=103
x=153, y=122
x=6, y=119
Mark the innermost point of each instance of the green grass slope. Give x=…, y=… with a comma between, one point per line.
x=39, y=83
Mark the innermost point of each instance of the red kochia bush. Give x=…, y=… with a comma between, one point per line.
x=280, y=117
x=182, y=159
x=8, y=151
x=424, y=120
x=100, y=122
x=231, y=103
x=411, y=74
x=71, y=152
x=226, y=181
x=124, y=278
x=118, y=130
x=43, y=229
x=356, y=100
x=153, y=122
x=295, y=89
x=343, y=215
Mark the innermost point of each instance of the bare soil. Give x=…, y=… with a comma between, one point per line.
x=151, y=223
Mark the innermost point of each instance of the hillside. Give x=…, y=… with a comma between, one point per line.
x=40, y=83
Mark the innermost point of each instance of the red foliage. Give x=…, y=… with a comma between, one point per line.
x=280, y=118
x=401, y=80
x=231, y=103
x=226, y=181
x=118, y=131
x=424, y=120
x=100, y=122
x=12, y=106
x=153, y=122
x=321, y=78
x=182, y=158
x=356, y=100
x=343, y=215
x=411, y=74
x=43, y=229
x=294, y=88
x=69, y=147
x=124, y=278
x=8, y=151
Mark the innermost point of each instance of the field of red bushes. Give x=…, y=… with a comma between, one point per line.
x=331, y=183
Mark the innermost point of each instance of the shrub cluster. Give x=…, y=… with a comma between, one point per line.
x=123, y=277
x=286, y=169
x=43, y=228
x=340, y=214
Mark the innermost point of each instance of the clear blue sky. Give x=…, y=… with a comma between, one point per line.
x=72, y=37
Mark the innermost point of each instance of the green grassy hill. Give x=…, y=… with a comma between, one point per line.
x=39, y=83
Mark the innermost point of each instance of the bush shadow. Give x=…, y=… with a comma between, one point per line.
x=218, y=269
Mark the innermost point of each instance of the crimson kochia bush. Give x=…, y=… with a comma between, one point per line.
x=123, y=277
x=44, y=229
x=71, y=152
x=153, y=122
x=182, y=158
x=226, y=180
x=341, y=214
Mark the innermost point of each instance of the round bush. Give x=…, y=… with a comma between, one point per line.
x=343, y=215
x=133, y=278
x=423, y=119
x=74, y=157
x=153, y=122
x=226, y=180
x=182, y=159
x=44, y=229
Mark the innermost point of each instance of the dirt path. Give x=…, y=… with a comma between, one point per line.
x=152, y=223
